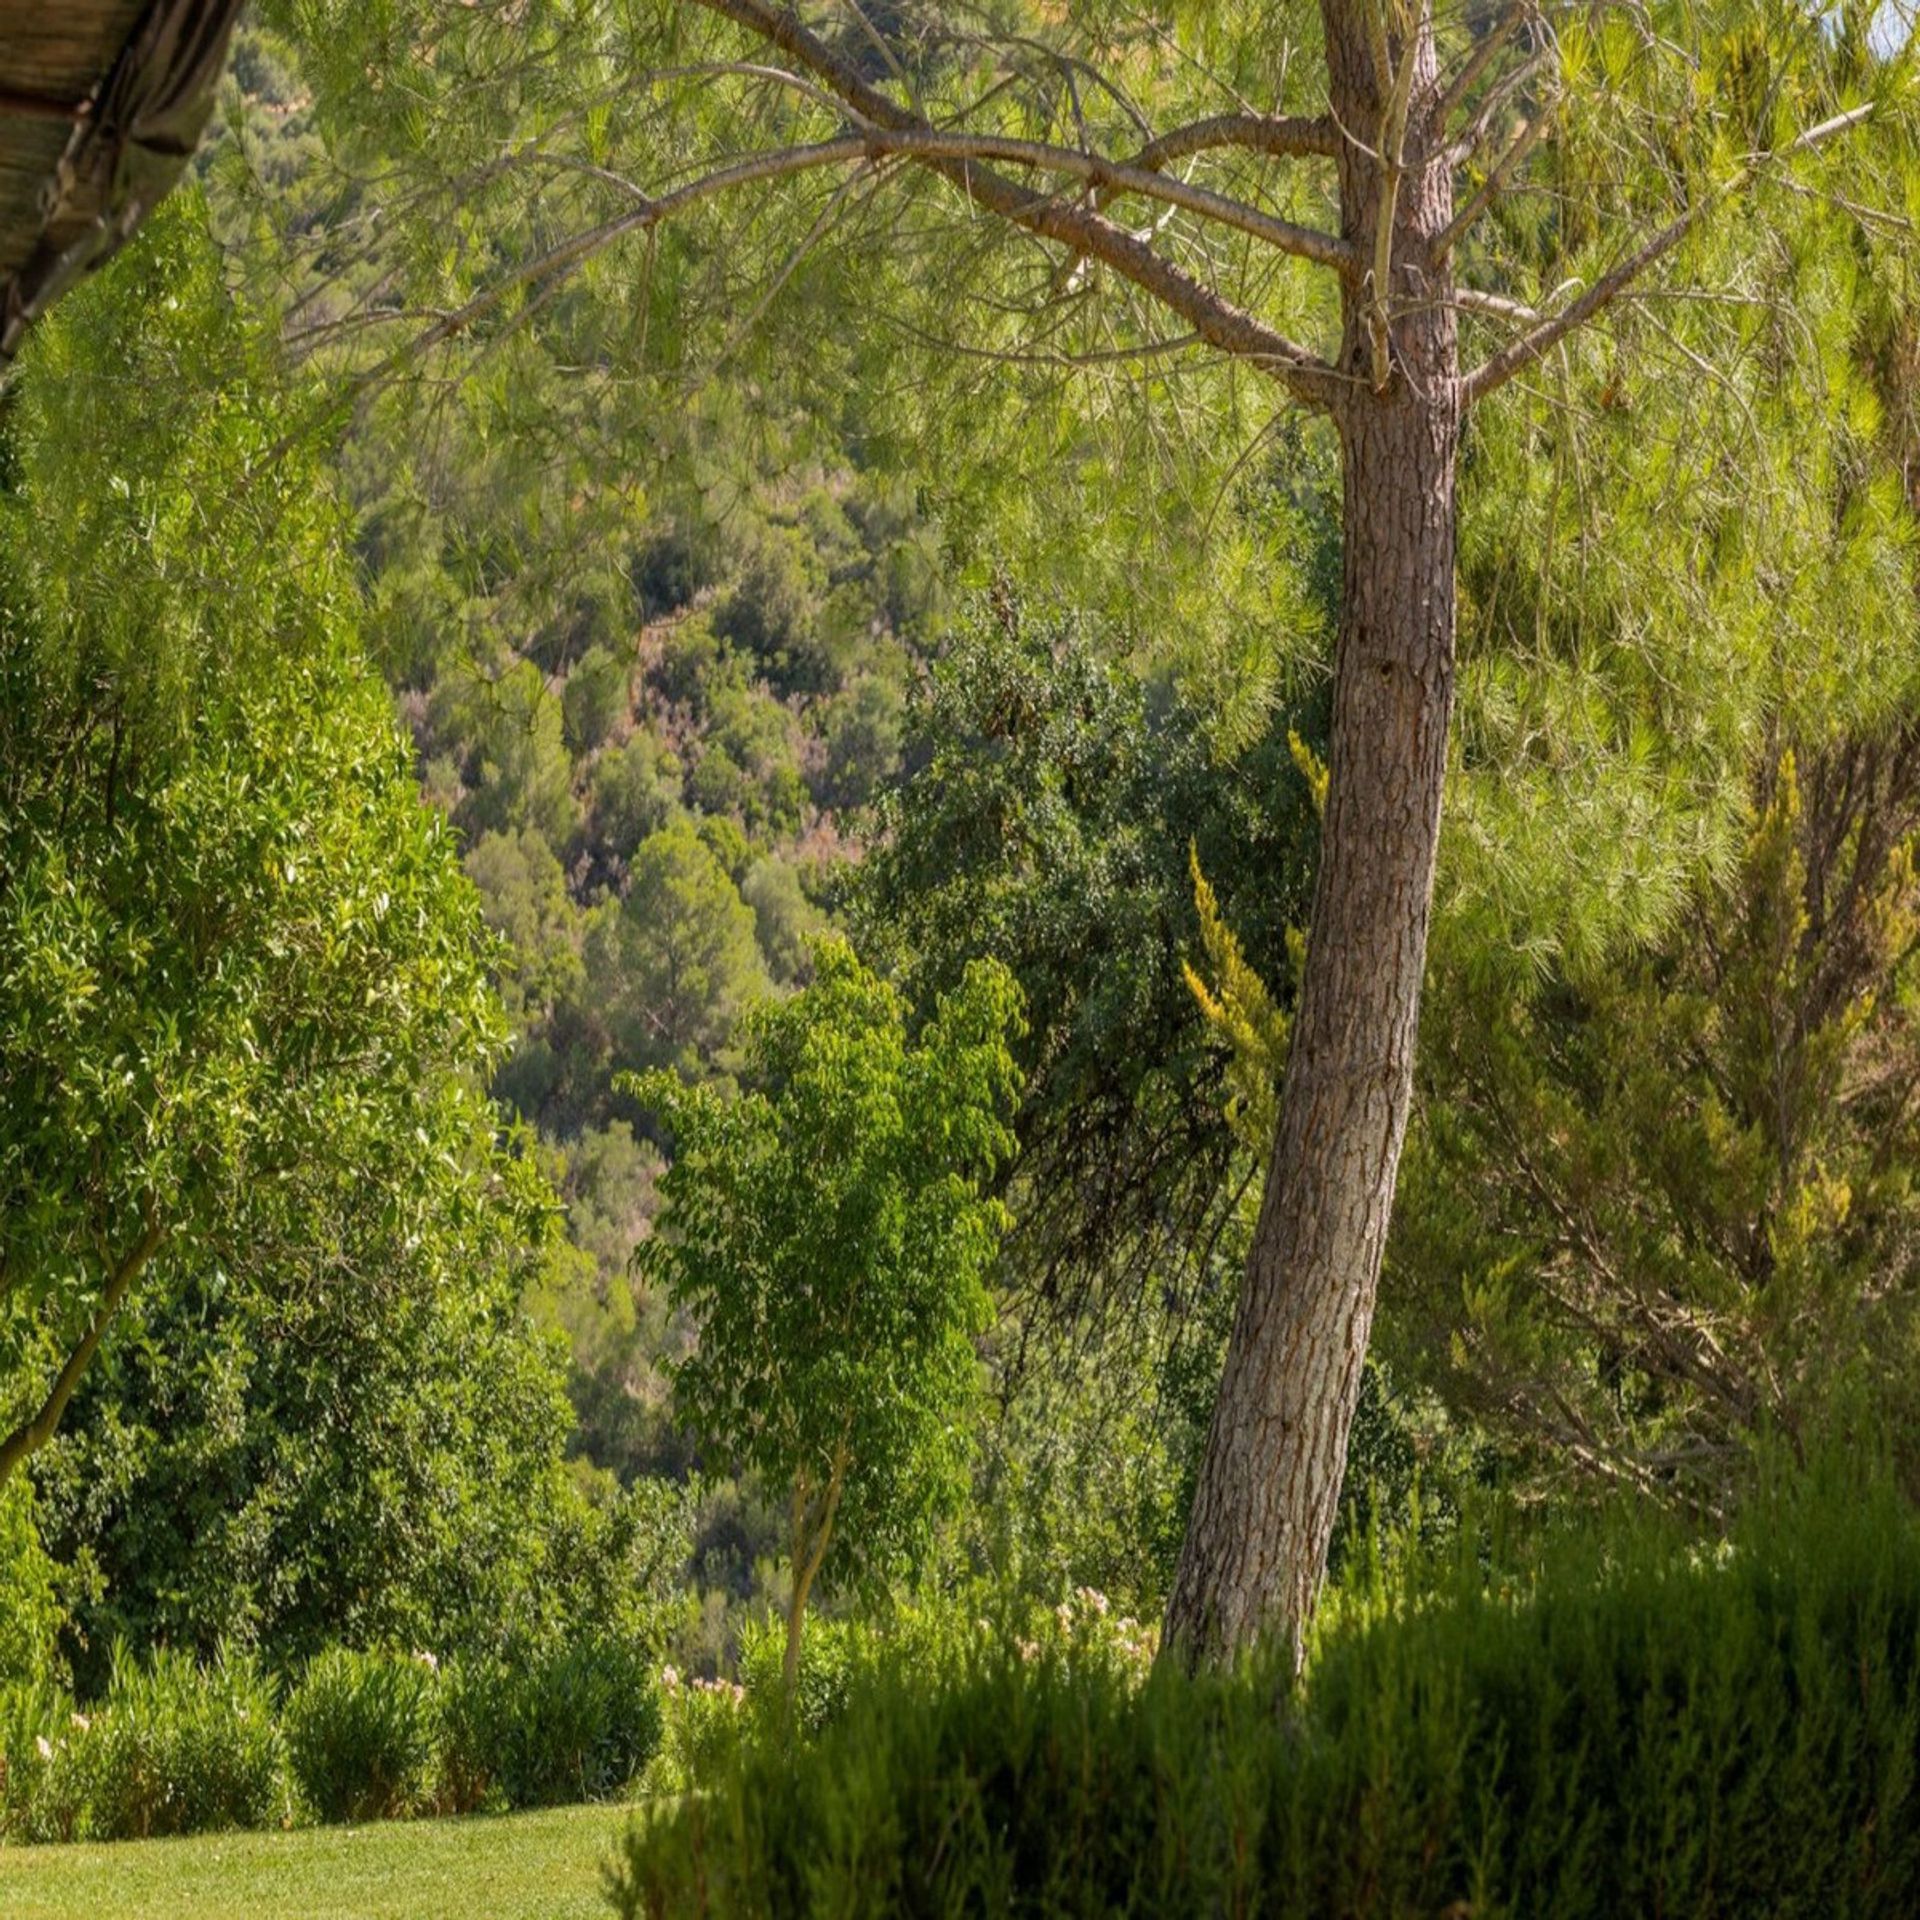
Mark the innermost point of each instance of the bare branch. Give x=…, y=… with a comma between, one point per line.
x=1519, y=354
x=1080, y=229
x=1495, y=305
x=1469, y=142
x=1112, y=177
x=1277, y=135
x=1522, y=144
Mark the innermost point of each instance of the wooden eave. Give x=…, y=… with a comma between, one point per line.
x=101, y=105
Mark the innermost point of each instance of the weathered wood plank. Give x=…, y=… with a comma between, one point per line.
x=101, y=105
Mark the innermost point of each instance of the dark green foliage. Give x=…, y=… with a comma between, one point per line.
x=1634, y=1728
x=1056, y=796
x=578, y=1722
x=362, y=1731
x=669, y=967
x=287, y=1469
x=635, y=788
x=595, y=699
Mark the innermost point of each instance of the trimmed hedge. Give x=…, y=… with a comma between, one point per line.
x=1633, y=1729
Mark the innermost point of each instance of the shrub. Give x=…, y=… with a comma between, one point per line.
x=361, y=1734
x=180, y=1748
x=703, y=1722
x=43, y=1778
x=575, y=1723
x=1630, y=1727
x=29, y=1611
x=830, y=1657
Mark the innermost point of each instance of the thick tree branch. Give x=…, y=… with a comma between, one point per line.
x=1110, y=177
x=33, y=1433
x=1277, y=135
x=1081, y=229
x=1520, y=354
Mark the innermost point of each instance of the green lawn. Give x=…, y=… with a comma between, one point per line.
x=530, y=1866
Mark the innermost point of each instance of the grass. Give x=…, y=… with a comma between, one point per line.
x=531, y=1866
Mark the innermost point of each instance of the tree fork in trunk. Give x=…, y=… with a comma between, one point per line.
x=1264, y=1508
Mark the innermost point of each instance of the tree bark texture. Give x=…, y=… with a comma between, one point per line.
x=1262, y=1521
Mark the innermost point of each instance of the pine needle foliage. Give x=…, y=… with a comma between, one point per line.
x=1657, y=1210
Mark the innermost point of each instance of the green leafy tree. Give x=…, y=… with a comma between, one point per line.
x=1057, y=790
x=274, y=1454
x=595, y=699
x=29, y=1608
x=828, y=1229
x=236, y=954
x=520, y=771
x=635, y=786
x=784, y=918
x=671, y=965
x=263, y=1239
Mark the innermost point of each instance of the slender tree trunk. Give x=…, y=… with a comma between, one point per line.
x=796, y=1626
x=812, y=1535
x=1263, y=1513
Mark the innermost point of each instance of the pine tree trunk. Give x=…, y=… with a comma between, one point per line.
x=1263, y=1514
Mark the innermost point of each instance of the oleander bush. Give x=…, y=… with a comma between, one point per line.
x=703, y=1721
x=178, y=1747
x=575, y=1722
x=362, y=1734
x=43, y=1792
x=173, y=1747
x=1613, y=1724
